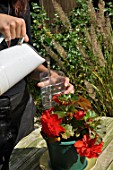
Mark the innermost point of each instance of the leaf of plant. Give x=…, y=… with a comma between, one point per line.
x=68, y=97
x=92, y=135
x=89, y=114
x=60, y=114
x=84, y=103
x=69, y=131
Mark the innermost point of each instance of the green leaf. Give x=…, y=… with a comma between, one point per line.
x=90, y=114
x=60, y=114
x=69, y=131
x=92, y=135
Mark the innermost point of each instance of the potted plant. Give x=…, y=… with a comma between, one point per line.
x=72, y=131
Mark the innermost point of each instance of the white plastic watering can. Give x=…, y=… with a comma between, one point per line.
x=15, y=63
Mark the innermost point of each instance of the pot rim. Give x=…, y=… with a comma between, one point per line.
x=67, y=143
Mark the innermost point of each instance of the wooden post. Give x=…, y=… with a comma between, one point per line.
x=67, y=6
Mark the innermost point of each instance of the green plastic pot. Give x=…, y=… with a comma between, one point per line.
x=63, y=156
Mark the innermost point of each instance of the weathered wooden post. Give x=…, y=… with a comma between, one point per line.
x=67, y=6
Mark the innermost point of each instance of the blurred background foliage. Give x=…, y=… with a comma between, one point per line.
x=81, y=45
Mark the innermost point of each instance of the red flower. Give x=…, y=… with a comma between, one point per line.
x=88, y=148
x=90, y=120
x=79, y=115
x=51, y=124
x=55, y=98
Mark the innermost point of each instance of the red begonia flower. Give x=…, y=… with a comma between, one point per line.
x=55, y=98
x=87, y=147
x=79, y=114
x=51, y=124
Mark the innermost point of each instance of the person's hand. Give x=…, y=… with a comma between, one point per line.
x=67, y=84
x=12, y=27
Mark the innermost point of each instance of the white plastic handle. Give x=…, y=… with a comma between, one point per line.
x=1, y=39
x=20, y=41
